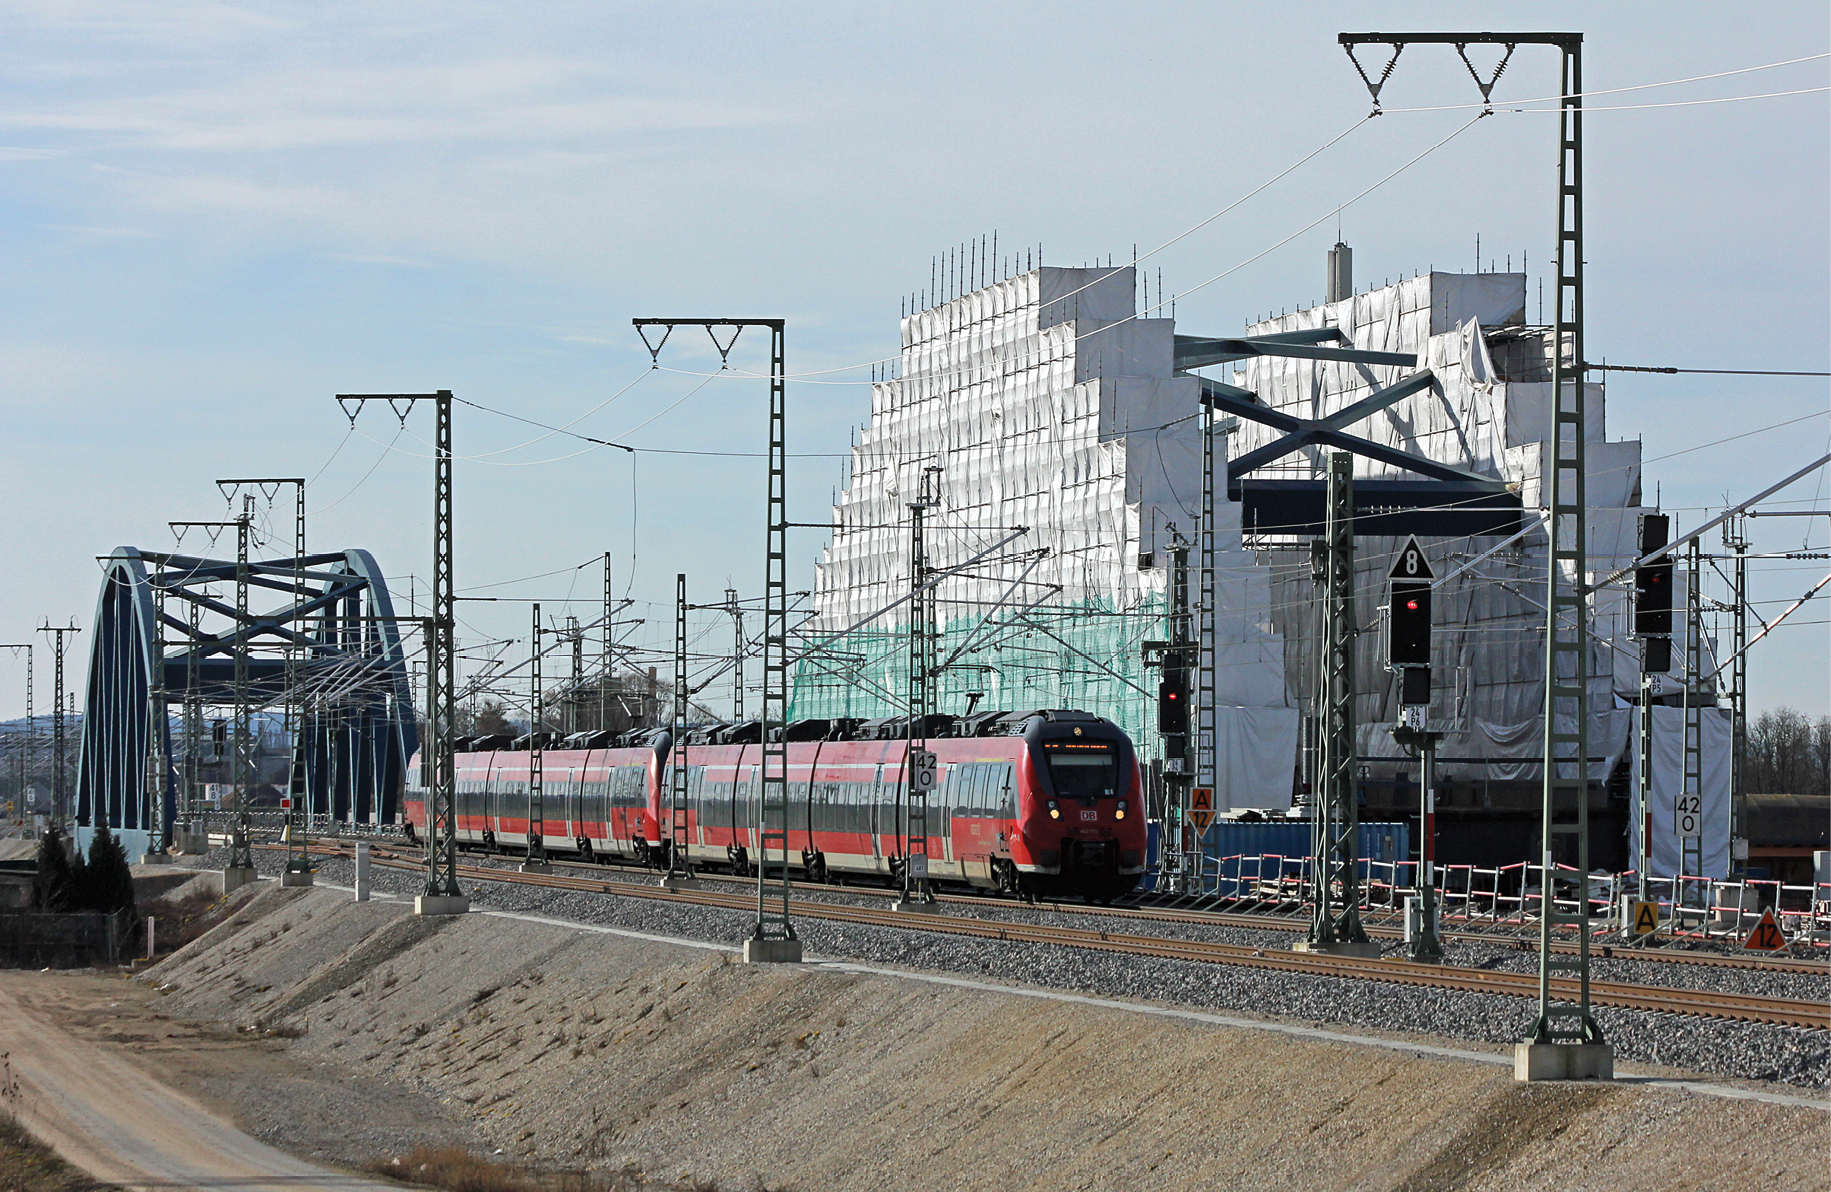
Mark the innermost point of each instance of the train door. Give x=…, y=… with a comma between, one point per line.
x=487, y=804
x=696, y=807
x=947, y=790
x=733, y=800
x=804, y=814
x=750, y=806
x=871, y=813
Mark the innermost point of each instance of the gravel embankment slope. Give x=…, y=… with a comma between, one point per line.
x=1740, y=1050
x=576, y=1048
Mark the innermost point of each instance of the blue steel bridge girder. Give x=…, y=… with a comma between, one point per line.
x=357, y=734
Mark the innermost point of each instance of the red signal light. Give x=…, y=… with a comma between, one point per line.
x=1412, y=605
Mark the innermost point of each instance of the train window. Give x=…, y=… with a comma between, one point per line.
x=1006, y=791
x=1082, y=772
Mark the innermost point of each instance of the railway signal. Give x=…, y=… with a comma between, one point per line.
x=1408, y=623
x=1172, y=709
x=1653, y=596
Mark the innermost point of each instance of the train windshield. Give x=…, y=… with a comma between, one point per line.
x=1082, y=771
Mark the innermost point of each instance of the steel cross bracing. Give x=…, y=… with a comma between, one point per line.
x=441, y=665
x=1566, y=765
x=537, y=709
x=921, y=694
x=677, y=841
x=1205, y=625
x=241, y=855
x=1688, y=808
x=60, y=809
x=193, y=723
x=31, y=721
x=610, y=643
x=1335, y=845
x=1173, y=656
x=158, y=743
x=31, y=729
x=1566, y=669
x=1735, y=536
x=737, y=656
x=298, y=852
x=1449, y=501
x=772, y=923
x=1215, y=432
x=1643, y=876
x=577, y=636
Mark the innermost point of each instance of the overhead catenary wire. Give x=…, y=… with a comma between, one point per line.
x=1721, y=74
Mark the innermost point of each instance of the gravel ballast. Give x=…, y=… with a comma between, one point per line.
x=1718, y=1047
x=566, y=1046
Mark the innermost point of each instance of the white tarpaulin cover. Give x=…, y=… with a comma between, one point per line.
x=1488, y=411
x=1040, y=401
x=1668, y=781
x=1256, y=750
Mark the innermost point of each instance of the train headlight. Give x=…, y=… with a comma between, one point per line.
x=1120, y=813
x=1055, y=812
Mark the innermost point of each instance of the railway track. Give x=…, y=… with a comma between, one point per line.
x=1692, y=1003
x=1261, y=921
x=1294, y=924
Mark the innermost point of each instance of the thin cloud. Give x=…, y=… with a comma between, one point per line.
x=378, y=259
x=88, y=230
x=524, y=101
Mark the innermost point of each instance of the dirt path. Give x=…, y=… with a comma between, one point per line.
x=109, y=1118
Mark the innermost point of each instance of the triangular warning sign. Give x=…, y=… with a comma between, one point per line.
x=1410, y=562
x=1201, y=807
x=1766, y=936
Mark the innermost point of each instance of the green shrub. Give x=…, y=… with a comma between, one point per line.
x=54, y=886
x=108, y=881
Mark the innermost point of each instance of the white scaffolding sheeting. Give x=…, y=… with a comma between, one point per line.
x=1668, y=781
x=1047, y=404
x=1488, y=411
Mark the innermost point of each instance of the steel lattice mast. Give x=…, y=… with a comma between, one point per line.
x=441, y=894
x=679, y=871
x=536, y=860
x=298, y=854
x=1566, y=718
x=60, y=795
x=31, y=729
x=1565, y=804
x=773, y=938
x=1336, y=824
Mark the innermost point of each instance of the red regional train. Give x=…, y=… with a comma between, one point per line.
x=1047, y=802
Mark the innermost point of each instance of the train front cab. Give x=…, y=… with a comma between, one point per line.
x=1081, y=808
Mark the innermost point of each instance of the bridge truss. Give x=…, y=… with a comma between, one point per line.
x=170, y=633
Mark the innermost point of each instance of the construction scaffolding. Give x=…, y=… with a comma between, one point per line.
x=1044, y=407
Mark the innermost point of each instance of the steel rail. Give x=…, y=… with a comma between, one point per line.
x=1808, y=966
x=1280, y=922
x=1619, y=995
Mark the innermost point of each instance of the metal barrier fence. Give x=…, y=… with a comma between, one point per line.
x=269, y=822
x=54, y=939
x=1505, y=900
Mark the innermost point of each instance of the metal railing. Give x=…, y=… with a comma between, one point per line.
x=1505, y=901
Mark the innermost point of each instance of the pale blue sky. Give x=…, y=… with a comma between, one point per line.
x=215, y=216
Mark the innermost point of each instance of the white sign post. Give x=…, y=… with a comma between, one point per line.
x=362, y=873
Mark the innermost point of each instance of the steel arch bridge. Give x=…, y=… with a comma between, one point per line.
x=149, y=651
